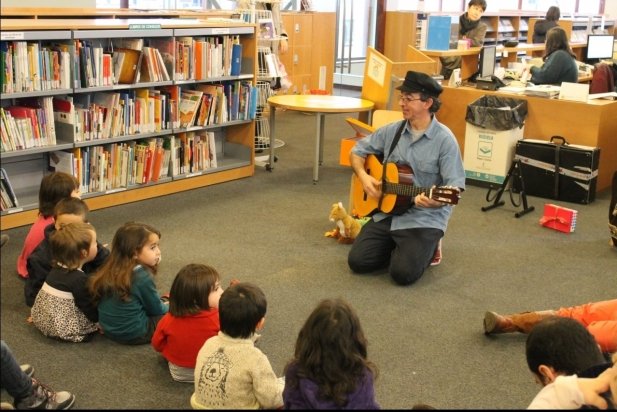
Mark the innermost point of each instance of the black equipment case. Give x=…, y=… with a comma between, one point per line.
x=558, y=170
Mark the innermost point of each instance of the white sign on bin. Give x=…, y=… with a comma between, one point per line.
x=489, y=153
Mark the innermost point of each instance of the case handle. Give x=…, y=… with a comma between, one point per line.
x=563, y=140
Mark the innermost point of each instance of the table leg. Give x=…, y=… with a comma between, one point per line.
x=272, y=140
x=321, y=136
x=318, y=139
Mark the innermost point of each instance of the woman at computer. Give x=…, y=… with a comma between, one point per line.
x=543, y=26
x=469, y=27
x=559, y=61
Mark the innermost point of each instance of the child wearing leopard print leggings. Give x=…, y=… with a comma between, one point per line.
x=63, y=308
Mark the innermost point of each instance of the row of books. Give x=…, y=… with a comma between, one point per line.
x=36, y=66
x=103, y=115
x=8, y=198
x=29, y=125
x=28, y=67
x=120, y=165
x=95, y=66
x=200, y=58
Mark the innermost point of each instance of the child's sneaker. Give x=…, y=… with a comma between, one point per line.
x=27, y=369
x=43, y=397
x=437, y=255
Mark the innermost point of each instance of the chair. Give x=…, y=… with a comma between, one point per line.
x=602, y=80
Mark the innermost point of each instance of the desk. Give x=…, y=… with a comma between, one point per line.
x=589, y=124
x=320, y=105
x=469, y=57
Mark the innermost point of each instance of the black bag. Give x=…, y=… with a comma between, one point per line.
x=497, y=113
x=558, y=170
x=612, y=212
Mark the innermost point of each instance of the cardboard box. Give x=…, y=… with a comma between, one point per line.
x=559, y=218
x=346, y=145
x=489, y=153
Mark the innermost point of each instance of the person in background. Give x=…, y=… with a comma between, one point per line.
x=471, y=28
x=71, y=210
x=408, y=239
x=129, y=305
x=541, y=27
x=600, y=319
x=63, y=308
x=231, y=373
x=559, y=61
x=29, y=392
x=193, y=318
x=54, y=187
x=330, y=368
x=560, y=346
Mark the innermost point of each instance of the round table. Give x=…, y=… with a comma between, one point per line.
x=320, y=105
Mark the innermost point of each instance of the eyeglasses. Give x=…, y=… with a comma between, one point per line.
x=407, y=99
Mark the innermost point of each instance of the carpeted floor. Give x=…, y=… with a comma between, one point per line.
x=426, y=339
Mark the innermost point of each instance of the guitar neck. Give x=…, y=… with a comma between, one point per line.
x=405, y=190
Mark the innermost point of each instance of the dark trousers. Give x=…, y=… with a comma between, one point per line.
x=408, y=252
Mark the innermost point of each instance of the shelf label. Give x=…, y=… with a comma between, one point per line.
x=15, y=210
x=12, y=35
x=221, y=30
x=145, y=26
x=194, y=174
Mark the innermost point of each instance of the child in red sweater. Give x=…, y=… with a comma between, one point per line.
x=192, y=319
x=54, y=187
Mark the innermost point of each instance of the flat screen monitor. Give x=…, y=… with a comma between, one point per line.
x=600, y=46
x=488, y=55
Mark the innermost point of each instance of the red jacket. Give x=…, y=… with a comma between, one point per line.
x=179, y=339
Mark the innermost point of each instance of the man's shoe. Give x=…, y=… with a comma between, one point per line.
x=495, y=323
x=27, y=369
x=3, y=239
x=43, y=397
x=437, y=255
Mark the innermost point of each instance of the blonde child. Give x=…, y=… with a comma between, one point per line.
x=192, y=319
x=54, y=187
x=230, y=372
x=129, y=305
x=63, y=308
x=330, y=368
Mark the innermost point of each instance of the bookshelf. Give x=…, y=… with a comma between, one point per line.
x=213, y=146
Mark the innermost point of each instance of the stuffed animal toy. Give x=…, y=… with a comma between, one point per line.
x=347, y=228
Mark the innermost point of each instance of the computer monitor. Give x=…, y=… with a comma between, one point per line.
x=600, y=46
x=488, y=56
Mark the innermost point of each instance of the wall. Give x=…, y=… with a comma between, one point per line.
x=45, y=3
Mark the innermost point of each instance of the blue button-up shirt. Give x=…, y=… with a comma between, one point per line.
x=435, y=159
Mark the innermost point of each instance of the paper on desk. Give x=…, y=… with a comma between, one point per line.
x=608, y=95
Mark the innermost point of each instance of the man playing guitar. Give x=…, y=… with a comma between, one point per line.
x=405, y=239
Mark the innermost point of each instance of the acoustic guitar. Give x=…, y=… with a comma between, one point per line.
x=392, y=190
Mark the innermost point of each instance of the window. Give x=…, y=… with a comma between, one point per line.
x=108, y=4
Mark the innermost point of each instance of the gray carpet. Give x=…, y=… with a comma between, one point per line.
x=426, y=339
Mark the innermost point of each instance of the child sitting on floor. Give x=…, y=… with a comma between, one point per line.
x=231, y=373
x=71, y=210
x=54, y=187
x=129, y=304
x=192, y=319
x=63, y=308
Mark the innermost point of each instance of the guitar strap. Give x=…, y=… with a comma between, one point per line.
x=397, y=136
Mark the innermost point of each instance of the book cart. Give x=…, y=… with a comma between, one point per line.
x=267, y=72
x=67, y=104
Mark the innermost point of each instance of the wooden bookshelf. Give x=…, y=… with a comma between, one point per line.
x=232, y=134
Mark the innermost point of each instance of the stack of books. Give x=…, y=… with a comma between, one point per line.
x=543, y=90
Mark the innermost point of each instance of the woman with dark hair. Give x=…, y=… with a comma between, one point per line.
x=543, y=26
x=559, y=61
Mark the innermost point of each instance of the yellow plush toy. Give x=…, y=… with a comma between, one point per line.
x=347, y=228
